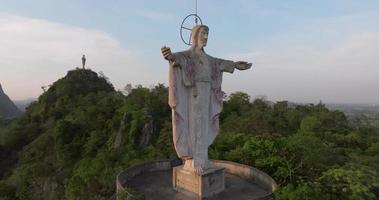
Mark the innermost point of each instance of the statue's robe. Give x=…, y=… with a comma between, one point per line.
x=196, y=98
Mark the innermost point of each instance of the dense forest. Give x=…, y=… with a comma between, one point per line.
x=73, y=141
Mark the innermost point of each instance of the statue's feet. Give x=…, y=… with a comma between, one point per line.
x=198, y=166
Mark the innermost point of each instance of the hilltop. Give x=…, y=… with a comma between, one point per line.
x=77, y=136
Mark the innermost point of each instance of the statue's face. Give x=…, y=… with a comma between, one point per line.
x=203, y=37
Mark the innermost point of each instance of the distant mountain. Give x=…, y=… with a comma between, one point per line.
x=7, y=108
x=23, y=104
x=356, y=109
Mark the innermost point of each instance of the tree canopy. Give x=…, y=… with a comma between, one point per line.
x=73, y=141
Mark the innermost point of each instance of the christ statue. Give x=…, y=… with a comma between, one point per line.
x=83, y=61
x=196, y=98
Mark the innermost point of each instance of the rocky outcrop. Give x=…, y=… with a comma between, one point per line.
x=147, y=132
x=119, y=139
x=7, y=108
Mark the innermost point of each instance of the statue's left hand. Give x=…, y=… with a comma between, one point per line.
x=242, y=65
x=166, y=52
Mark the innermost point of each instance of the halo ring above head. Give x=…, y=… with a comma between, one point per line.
x=185, y=28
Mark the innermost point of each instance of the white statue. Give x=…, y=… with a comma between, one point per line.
x=84, y=61
x=196, y=98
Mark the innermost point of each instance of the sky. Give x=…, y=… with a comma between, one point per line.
x=302, y=51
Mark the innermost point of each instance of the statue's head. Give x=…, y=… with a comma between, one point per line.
x=199, y=36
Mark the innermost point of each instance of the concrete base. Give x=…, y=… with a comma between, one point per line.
x=208, y=184
x=154, y=180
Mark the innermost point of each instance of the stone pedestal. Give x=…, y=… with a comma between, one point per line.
x=209, y=183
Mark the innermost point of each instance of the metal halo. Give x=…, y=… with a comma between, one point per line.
x=189, y=29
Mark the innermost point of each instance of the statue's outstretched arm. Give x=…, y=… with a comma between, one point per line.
x=228, y=65
x=225, y=65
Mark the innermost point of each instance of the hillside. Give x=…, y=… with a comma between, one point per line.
x=81, y=133
x=7, y=108
x=66, y=141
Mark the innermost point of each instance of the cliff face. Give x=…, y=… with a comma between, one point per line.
x=7, y=108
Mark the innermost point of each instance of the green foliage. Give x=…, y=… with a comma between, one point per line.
x=7, y=192
x=237, y=103
x=71, y=122
x=298, y=146
x=224, y=143
x=303, y=191
x=253, y=119
x=164, y=146
x=349, y=182
x=81, y=133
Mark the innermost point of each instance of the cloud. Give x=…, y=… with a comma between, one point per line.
x=345, y=71
x=328, y=59
x=35, y=52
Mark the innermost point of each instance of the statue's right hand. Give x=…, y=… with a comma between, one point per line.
x=166, y=52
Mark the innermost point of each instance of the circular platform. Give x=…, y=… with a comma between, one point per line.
x=154, y=180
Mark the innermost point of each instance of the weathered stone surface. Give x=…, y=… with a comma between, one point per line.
x=207, y=184
x=196, y=98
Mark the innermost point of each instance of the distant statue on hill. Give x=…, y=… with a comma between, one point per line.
x=196, y=98
x=84, y=61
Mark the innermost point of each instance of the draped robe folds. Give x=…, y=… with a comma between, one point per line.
x=195, y=97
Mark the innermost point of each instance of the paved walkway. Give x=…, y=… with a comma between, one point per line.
x=158, y=186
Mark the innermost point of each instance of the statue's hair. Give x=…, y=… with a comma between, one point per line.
x=195, y=34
